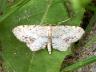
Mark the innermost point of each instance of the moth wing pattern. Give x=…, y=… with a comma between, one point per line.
x=64, y=36
x=34, y=36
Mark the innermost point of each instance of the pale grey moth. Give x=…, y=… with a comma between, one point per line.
x=38, y=37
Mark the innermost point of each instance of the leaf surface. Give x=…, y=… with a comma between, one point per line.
x=17, y=56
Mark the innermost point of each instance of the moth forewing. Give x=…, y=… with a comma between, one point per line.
x=64, y=36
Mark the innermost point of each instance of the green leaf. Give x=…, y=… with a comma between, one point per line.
x=12, y=9
x=17, y=56
x=80, y=64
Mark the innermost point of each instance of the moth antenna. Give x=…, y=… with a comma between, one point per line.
x=49, y=39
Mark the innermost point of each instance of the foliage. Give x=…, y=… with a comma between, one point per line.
x=17, y=57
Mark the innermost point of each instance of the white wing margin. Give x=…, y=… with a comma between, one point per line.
x=64, y=36
x=35, y=37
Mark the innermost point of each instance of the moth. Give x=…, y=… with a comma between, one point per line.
x=39, y=37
